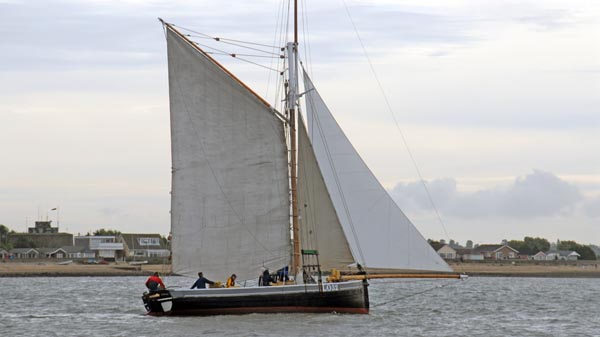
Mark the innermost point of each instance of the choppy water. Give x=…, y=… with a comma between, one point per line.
x=111, y=306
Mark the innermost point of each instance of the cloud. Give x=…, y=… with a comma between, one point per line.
x=538, y=194
x=592, y=207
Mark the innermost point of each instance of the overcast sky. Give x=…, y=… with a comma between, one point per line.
x=499, y=102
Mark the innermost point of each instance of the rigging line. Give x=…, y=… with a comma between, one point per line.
x=213, y=173
x=235, y=55
x=234, y=44
x=247, y=42
x=216, y=38
x=336, y=177
x=277, y=32
x=389, y=106
x=307, y=49
x=453, y=282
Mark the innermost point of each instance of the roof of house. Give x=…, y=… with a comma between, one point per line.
x=46, y=250
x=491, y=248
x=22, y=250
x=437, y=246
x=563, y=252
x=133, y=241
x=464, y=251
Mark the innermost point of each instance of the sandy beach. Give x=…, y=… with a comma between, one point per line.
x=530, y=269
x=507, y=269
x=20, y=269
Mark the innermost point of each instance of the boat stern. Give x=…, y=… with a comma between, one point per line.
x=158, y=303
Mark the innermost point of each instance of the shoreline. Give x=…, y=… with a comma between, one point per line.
x=578, y=269
x=38, y=269
x=562, y=269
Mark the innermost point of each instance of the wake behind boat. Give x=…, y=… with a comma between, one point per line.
x=251, y=189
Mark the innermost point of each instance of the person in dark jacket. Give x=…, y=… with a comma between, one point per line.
x=154, y=283
x=266, y=278
x=201, y=282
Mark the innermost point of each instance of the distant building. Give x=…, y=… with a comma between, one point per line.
x=24, y=253
x=562, y=255
x=144, y=245
x=42, y=227
x=104, y=246
x=539, y=256
x=466, y=254
x=23, y=240
x=444, y=251
x=52, y=253
x=78, y=252
x=3, y=254
x=496, y=252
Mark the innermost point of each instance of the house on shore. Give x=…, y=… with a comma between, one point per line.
x=444, y=250
x=105, y=247
x=562, y=255
x=144, y=246
x=496, y=252
x=539, y=256
x=78, y=252
x=24, y=253
x=52, y=253
x=467, y=254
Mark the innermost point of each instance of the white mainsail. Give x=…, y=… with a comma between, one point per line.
x=379, y=233
x=230, y=192
x=320, y=227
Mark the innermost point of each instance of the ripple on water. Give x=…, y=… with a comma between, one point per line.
x=111, y=306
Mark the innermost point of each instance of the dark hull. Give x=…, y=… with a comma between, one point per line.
x=344, y=297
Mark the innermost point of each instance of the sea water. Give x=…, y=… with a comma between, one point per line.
x=112, y=306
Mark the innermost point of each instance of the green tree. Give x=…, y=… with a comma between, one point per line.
x=586, y=252
x=3, y=233
x=529, y=245
x=107, y=232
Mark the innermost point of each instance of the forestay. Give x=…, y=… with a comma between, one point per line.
x=230, y=194
x=379, y=233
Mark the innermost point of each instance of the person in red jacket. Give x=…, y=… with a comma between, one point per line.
x=154, y=283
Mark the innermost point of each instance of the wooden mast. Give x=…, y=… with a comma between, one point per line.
x=292, y=100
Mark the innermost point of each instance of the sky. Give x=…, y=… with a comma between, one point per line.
x=498, y=103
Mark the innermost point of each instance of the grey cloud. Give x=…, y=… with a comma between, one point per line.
x=538, y=194
x=592, y=207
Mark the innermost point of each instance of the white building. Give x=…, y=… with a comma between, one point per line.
x=104, y=246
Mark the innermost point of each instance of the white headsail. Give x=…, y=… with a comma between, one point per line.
x=230, y=192
x=320, y=227
x=379, y=233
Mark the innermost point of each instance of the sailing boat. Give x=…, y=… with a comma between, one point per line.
x=252, y=190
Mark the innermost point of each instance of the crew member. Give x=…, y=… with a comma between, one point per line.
x=201, y=282
x=231, y=281
x=154, y=283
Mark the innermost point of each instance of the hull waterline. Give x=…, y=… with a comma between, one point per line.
x=343, y=297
